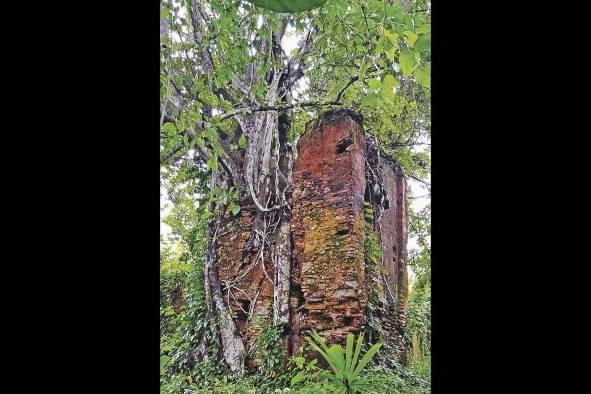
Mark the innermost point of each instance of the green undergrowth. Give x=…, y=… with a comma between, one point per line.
x=413, y=379
x=301, y=376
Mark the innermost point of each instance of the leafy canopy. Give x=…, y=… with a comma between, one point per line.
x=288, y=5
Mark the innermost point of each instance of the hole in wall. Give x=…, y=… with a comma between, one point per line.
x=245, y=306
x=342, y=145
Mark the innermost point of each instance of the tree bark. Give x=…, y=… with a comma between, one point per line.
x=233, y=350
x=283, y=274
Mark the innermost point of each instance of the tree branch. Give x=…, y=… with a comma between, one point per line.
x=242, y=111
x=418, y=179
x=172, y=152
x=225, y=160
x=351, y=81
x=295, y=66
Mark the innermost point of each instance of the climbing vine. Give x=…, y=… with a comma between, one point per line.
x=236, y=94
x=268, y=350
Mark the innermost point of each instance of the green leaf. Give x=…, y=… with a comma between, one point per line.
x=349, y=352
x=392, y=37
x=357, y=351
x=423, y=76
x=216, y=148
x=298, y=377
x=210, y=134
x=390, y=82
x=332, y=377
x=169, y=128
x=407, y=62
x=234, y=208
x=299, y=362
x=392, y=45
x=163, y=363
x=363, y=70
x=424, y=29
x=410, y=37
x=383, y=44
x=369, y=99
x=391, y=53
x=319, y=340
x=388, y=86
x=212, y=163
x=322, y=352
x=242, y=141
x=288, y=5
x=164, y=13
x=366, y=358
x=374, y=84
x=199, y=142
x=392, y=10
x=332, y=355
x=423, y=42
x=336, y=352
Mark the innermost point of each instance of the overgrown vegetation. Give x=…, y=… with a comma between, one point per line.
x=346, y=375
x=369, y=55
x=267, y=351
x=418, y=331
x=184, y=324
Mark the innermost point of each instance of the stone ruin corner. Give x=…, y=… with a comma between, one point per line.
x=331, y=283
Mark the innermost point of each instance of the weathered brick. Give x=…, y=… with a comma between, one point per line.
x=328, y=227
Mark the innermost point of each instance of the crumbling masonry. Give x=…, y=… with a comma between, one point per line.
x=338, y=175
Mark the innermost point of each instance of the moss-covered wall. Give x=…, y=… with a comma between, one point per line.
x=328, y=230
x=337, y=175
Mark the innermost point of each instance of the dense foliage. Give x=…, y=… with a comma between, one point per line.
x=369, y=55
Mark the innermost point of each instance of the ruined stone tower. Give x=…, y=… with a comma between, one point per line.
x=328, y=230
x=344, y=194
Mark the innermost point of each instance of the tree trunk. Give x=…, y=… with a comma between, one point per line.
x=302, y=263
